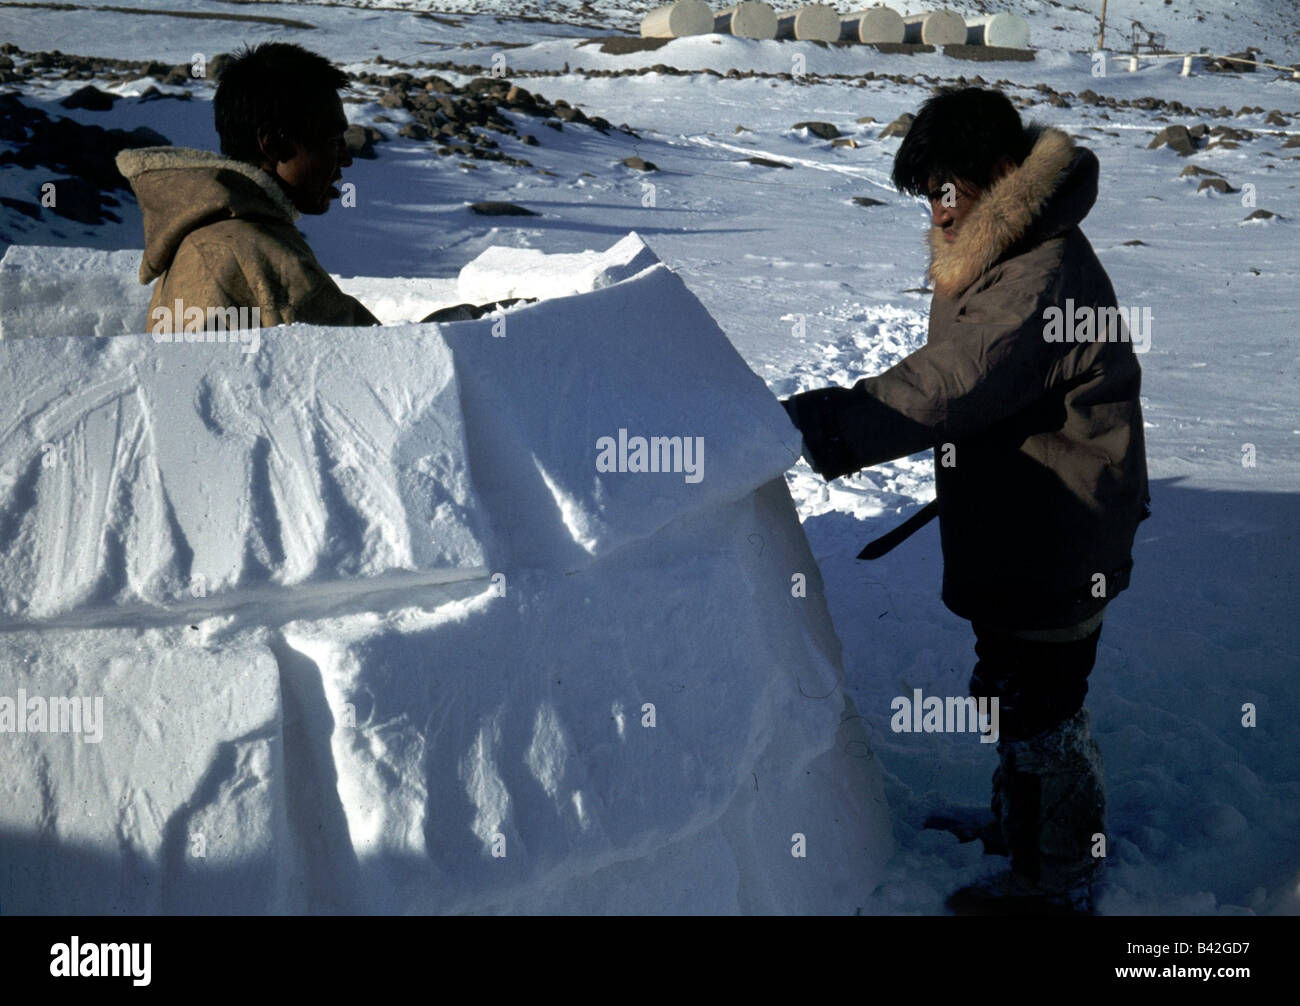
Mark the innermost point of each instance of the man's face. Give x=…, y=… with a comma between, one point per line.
x=952, y=200
x=308, y=168
x=950, y=205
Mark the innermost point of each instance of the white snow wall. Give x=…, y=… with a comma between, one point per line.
x=372, y=633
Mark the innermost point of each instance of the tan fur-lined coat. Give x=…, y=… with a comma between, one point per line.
x=1047, y=480
x=220, y=233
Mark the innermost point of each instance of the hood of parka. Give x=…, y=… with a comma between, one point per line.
x=180, y=190
x=1050, y=192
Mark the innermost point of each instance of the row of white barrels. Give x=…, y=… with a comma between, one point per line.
x=755, y=19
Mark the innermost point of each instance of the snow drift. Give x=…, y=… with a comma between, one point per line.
x=362, y=624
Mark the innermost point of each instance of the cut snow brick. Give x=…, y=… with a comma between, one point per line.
x=134, y=471
x=501, y=273
x=596, y=419
x=510, y=747
x=173, y=801
x=70, y=291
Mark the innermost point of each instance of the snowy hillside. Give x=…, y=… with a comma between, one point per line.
x=419, y=28
x=1267, y=24
x=800, y=250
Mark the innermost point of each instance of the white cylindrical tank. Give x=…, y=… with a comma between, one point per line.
x=676, y=20
x=748, y=19
x=1010, y=31
x=814, y=21
x=938, y=27
x=879, y=24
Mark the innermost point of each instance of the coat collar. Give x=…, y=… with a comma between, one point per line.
x=135, y=162
x=1002, y=216
x=180, y=190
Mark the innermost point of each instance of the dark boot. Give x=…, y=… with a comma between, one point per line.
x=1049, y=795
x=995, y=843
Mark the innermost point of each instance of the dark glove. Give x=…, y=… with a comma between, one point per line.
x=472, y=312
x=791, y=409
x=814, y=415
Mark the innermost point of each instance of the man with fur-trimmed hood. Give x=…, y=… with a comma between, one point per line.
x=219, y=230
x=1040, y=464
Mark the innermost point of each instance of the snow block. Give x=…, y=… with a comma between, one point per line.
x=401, y=299
x=458, y=646
x=134, y=471
x=661, y=417
x=503, y=273
x=70, y=291
x=169, y=793
x=674, y=696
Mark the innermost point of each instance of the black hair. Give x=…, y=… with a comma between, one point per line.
x=959, y=136
x=275, y=84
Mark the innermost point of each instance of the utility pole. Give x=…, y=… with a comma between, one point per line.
x=1101, y=38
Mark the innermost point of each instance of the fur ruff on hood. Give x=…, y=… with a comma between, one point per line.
x=1002, y=216
x=135, y=162
x=219, y=233
x=180, y=190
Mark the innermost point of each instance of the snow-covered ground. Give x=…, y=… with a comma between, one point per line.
x=812, y=288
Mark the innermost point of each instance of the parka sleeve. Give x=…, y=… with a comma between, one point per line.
x=256, y=268
x=994, y=363
x=326, y=304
